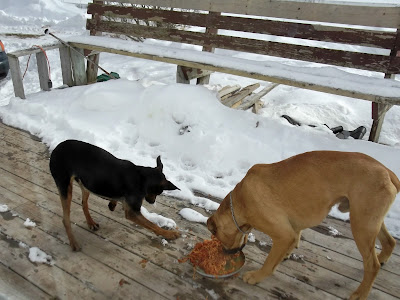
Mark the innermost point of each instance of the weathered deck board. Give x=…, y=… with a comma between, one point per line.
x=110, y=264
x=118, y=235
x=10, y=279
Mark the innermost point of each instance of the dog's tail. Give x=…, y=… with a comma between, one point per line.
x=395, y=180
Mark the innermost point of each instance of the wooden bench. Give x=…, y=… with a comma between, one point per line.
x=348, y=43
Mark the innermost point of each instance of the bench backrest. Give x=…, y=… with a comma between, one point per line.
x=361, y=37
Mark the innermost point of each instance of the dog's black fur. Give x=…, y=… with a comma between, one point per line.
x=99, y=172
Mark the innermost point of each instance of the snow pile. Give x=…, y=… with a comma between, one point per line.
x=3, y=208
x=251, y=238
x=23, y=245
x=192, y=215
x=138, y=122
x=37, y=255
x=333, y=231
x=29, y=224
x=158, y=219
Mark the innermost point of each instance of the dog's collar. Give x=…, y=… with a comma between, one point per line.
x=233, y=216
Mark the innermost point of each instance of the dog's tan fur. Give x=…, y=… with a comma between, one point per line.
x=283, y=198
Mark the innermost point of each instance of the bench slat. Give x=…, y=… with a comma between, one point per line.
x=379, y=39
x=364, y=61
x=382, y=16
x=373, y=89
x=33, y=50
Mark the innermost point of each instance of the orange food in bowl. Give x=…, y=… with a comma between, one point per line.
x=210, y=257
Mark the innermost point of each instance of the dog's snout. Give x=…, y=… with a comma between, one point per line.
x=150, y=199
x=234, y=250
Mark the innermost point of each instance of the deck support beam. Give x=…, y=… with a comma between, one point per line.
x=78, y=67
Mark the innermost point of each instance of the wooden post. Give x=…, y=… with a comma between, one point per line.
x=78, y=67
x=181, y=76
x=379, y=110
x=209, y=31
x=185, y=74
x=66, y=67
x=43, y=71
x=91, y=69
x=16, y=76
x=257, y=106
x=378, y=115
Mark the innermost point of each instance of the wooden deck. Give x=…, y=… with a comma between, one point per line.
x=124, y=261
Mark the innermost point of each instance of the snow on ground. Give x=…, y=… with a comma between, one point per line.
x=204, y=145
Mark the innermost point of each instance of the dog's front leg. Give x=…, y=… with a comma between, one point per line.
x=85, y=196
x=281, y=246
x=138, y=218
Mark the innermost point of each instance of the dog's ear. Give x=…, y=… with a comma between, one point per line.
x=159, y=163
x=169, y=186
x=211, y=225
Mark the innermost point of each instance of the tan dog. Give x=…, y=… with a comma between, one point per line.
x=283, y=198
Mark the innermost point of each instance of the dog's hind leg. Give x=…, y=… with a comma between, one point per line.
x=365, y=233
x=66, y=206
x=296, y=244
x=85, y=196
x=284, y=240
x=298, y=237
x=387, y=242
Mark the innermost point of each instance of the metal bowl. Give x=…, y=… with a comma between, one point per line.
x=239, y=263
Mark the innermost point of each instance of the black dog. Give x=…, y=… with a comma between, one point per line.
x=99, y=172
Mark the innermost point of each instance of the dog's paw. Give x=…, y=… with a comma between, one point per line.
x=382, y=258
x=112, y=205
x=355, y=296
x=75, y=247
x=172, y=234
x=252, y=277
x=94, y=226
